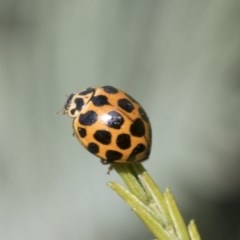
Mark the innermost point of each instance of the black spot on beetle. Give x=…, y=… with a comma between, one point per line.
x=99, y=100
x=125, y=104
x=79, y=103
x=143, y=114
x=103, y=136
x=110, y=89
x=82, y=132
x=73, y=111
x=123, y=141
x=87, y=91
x=137, y=128
x=116, y=120
x=93, y=148
x=88, y=118
x=113, y=155
x=138, y=149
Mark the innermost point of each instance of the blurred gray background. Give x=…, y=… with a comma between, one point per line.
x=180, y=59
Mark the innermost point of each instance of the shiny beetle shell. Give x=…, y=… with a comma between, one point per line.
x=110, y=124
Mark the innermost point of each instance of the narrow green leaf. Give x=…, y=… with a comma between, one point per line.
x=158, y=198
x=179, y=224
x=128, y=174
x=193, y=231
x=144, y=212
x=158, y=211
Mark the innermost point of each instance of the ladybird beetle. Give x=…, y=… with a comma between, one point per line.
x=110, y=124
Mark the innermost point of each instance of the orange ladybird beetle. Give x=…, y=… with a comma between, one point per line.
x=110, y=124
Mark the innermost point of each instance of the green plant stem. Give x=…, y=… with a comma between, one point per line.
x=179, y=224
x=192, y=228
x=142, y=211
x=157, y=210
